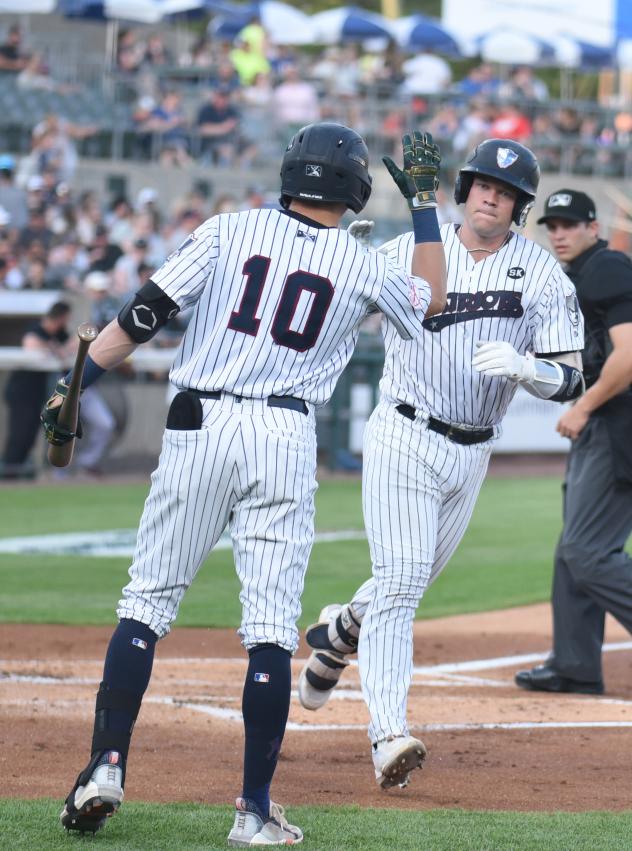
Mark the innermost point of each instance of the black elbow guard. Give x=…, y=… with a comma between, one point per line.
x=572, y=386
x=146, y=313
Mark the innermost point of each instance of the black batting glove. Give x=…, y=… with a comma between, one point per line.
x=56, y=434
x=418, y=181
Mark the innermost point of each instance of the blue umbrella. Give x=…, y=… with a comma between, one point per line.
x=573, y=53
x=349, y=23
x=283, y=22
x=513, y=47
x=418, y=32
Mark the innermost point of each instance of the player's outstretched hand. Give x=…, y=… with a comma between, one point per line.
x=361, y=230
x=419, y=179
x=501, y=360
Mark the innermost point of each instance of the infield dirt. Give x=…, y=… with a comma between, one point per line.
x=188, y=741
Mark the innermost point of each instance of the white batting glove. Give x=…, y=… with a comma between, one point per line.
x=361, y=230
x=503, y=361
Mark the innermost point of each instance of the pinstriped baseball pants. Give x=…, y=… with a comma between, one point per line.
x=418, y=493
x=254, y=468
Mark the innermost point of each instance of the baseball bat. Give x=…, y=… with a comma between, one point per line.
x=61, y=456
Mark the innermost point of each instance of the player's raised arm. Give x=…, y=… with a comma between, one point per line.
x=418, y=181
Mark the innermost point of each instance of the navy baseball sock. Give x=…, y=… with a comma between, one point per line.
x=265, y=707
x=126, y=674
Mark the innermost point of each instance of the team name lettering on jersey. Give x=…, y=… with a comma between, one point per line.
x=461, y=307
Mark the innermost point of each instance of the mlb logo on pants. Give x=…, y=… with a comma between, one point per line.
x=262, y=678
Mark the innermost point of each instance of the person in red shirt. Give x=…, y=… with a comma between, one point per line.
x=511, y=123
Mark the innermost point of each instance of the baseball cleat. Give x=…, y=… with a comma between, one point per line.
x=250, y=829
x=96, y=795
x=395, y=758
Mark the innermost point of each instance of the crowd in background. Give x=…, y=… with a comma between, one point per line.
x=231, y=104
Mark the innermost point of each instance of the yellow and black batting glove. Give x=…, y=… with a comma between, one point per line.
x=418, y=180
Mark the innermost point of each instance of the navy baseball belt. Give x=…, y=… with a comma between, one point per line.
x=290, y=402
x=464, y=436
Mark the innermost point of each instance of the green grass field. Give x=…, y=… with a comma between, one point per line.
x=193, y=827
x=504, y=560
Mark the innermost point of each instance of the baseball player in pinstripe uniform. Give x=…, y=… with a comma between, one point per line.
x=511, y=318
x=277, y=299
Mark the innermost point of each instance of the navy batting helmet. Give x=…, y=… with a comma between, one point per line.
x=507, y=161
x=326, y=162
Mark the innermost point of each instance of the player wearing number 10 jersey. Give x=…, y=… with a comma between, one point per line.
x=278, y=296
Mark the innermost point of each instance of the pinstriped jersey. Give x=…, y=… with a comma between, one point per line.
x=519, y=295
x=278, y=301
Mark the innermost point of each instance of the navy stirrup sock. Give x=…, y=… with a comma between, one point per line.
x=265, y=707
x=126, y=675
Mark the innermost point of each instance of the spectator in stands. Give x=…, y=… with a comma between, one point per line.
x=12, y=58
x=200, y=55
x=88, y=216
x=225, y=203
x=248, y=62
x=36, y=75
x=125, y=276
x=103, y=253
x=67, y=262
x=623, y=127
x=295, y=102
x=98, y=421
x=257, y=97
x=567, y=122
x=4, y=269
x=55, y=139
x=35, y=278
x=217, y=125
x=479, y=81
x=188, y=219
x=129, y=53
x=170, y=122
x=511, y=123
x=120, y=221
x=147, y=226
x=474, y=126
x=425, y=74
x=156, y=54
x=255, y=35
x=36, y=230
x=225, y=76
x=547, y=138
x=444, y=124
x=26, y=390
x=523, y=85
x=12, y=198
x=35, y=192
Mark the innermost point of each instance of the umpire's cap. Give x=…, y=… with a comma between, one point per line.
x=507, y=161
x=569, y=204
x=326, y=162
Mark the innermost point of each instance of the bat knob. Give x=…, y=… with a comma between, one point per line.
x=87, y=332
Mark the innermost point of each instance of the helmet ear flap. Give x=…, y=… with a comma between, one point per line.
x=462, y=186
x=521, y=209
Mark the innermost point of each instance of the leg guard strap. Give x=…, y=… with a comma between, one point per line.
x=106, y=736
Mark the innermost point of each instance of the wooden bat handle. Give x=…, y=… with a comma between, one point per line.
x=61, y=456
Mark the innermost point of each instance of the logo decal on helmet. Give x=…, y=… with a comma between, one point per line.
x=313, y=170
x=505, y=157
x=560, y=199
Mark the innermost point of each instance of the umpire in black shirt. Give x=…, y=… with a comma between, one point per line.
x=593, y=573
